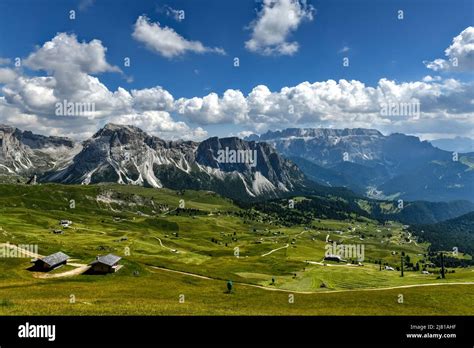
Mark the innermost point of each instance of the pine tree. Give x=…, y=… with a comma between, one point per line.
x=401, y=265
x=442, y=266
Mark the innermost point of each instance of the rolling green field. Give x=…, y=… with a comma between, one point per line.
x=179, y=250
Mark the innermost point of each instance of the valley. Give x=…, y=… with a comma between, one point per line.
x=233, y=172
x=180, y=248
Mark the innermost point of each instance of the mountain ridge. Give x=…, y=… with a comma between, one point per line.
x=390, y=167
x=128, y=155
x=394, y=166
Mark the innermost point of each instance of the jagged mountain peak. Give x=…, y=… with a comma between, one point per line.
x=119, y=134
x=24, y=153
x=128, y=155
x=118, y=127
x=364, y=160
x=110, y=129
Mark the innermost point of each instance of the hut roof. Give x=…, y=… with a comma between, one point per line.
x=55, y=258
x=109, y=260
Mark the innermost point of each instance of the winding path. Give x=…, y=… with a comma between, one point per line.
x=312, y=292
x=164, y=246
x=73, y=272
x=272, y=251
x=89, y=229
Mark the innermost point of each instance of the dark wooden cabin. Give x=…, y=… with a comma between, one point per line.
x=51, y=262
x=105, y=264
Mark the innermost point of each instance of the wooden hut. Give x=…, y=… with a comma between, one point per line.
x=105, y=264
x=50, y=262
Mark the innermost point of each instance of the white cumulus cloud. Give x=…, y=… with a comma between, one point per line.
x=460, y=55
x=161, y=123
x=446, y=105
x=274, y=24
x=65, y=52
x=7, y=75
x=211, y=109
x=165, y=41
x=69, y=67
x=340, y=103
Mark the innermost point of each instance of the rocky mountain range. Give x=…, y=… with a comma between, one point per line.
x=25, y=153
x=395, y=166
x=365, y=161
x=127, y=155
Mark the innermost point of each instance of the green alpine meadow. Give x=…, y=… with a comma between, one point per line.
x=180, y=249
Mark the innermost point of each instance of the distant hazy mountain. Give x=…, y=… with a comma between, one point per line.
x=368, y=162
x=128, y=155
x=458, y=144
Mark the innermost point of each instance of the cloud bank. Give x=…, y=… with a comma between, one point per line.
x=67, y=69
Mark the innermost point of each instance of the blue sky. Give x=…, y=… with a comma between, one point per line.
x=377, y=43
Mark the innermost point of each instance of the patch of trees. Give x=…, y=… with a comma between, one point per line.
x=188, y=212
x=455, y=233
x=307, y=210
x=449, y=261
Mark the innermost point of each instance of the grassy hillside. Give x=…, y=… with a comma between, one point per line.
x=454, y=233
x=192, y=242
